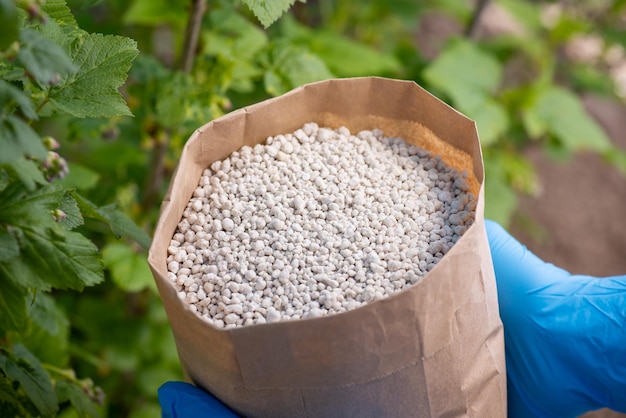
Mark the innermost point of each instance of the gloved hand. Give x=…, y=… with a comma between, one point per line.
x=182, y=400
x=565, y=340
x=564, y=335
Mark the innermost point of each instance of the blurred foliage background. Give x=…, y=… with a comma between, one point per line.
x=83, y=169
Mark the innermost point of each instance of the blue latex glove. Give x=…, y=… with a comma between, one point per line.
x=182, y=400
x=565, y=340
x=565, y=335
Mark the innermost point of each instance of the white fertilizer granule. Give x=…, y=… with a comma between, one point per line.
x=314, y=223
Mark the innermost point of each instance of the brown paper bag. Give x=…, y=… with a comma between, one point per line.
x=433, y=350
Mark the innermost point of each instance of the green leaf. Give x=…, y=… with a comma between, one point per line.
x=463, y=67
x=63, y=259
x=84, y=406
x=80, y=177
x=233, y=37
x=4, y=180
x=41, y=311
x=27, y=210
x=73, y=217
x=469, y=76
x=11, y=96
x=103, y=62
x=293, y=66
x=347, y=58
x=268, y=11
x=528, y=14
x=500, y=199
x=51, y=256
x=491, y=120
x=617, y=158
x=59, y=11
x=10, y=402
x=274, y=84
x=18, y=140
x=129, y=270
x=120, y=224
x=560, y=112
x=9, y=23
x=42, y=58
x=24, y=368
x=28, y=172
x=156, y=12
x=9, y=247
x=48, y=334
x=12, y=303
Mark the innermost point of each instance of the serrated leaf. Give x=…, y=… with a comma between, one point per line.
x=59, y=11
x=129, y=270
x=26, y=369
x=63, y=259
x=11, y=96
x=84, y=406
x=268, y=11
x=103, y=62
x=48, y=334
x=347, y=58
x=20, y=272
x=120, y=224
x=28, y=172
x=469, y=76
x=560, y=112
x=12, y=303
x=73, y=217
x=294, y=66
x=9, y=247
x=41, y=311
x=42, y=58
x=27, y=210
x=9, y=23
x=462, y=67
x=233, y=37
x=51, y=256
x=61, y=34
x=18, y=140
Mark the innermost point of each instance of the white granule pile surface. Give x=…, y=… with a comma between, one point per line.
x=314, y=223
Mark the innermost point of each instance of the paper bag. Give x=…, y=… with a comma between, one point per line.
x=433, y=350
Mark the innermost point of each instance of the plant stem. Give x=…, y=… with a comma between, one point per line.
x=42, y=104
x=481, y=5
x=192, y=34
x=162, y=137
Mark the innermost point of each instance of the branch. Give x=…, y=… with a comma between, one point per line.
x=481, y=5
x=192, y=34
x=161, y=138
